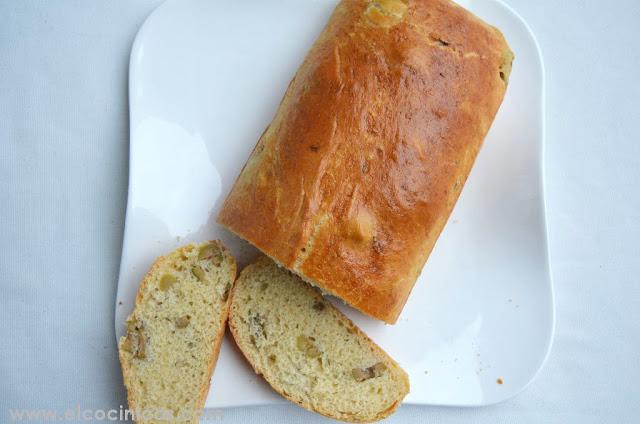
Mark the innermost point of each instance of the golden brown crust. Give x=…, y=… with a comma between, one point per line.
x=264, y=261
x=355, y=177
x=158, y=263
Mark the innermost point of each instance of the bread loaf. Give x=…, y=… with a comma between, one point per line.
x=308, y=351
x=354, y=179
x=174, y=333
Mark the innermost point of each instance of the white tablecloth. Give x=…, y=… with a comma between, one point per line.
x=63, y=179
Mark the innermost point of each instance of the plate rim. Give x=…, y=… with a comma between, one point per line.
x=543, y=184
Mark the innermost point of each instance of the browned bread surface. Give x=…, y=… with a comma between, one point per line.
x=354, y=179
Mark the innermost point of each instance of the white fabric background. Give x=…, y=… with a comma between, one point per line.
x=63, y=179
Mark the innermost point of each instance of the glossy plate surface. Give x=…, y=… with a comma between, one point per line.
x=205, y=81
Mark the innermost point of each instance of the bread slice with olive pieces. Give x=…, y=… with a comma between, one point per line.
x=174, y=333
x=308, y=351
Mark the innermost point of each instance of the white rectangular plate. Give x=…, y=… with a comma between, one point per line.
x=206, y=79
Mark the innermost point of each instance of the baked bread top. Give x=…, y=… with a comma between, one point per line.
x=352, y=182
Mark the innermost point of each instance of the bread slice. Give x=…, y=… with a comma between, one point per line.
x=308, y=350
x=174, y=333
